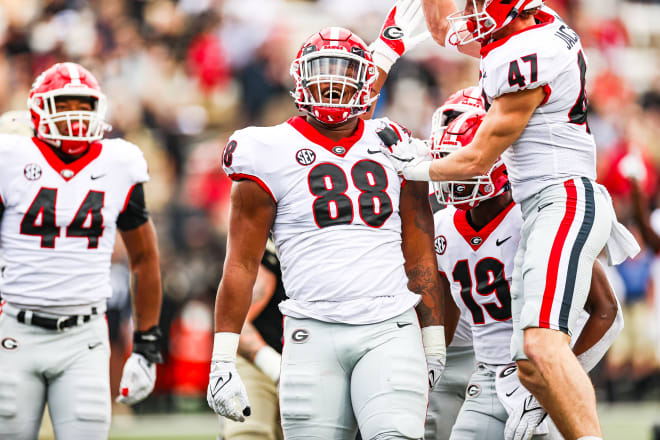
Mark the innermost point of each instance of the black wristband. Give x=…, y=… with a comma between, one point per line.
x=147, y=343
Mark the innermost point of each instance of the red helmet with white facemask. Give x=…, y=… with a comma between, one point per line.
x=64, y=80
x=334, y=73
x=467, y=100
x=479, y=23
x=467, y=193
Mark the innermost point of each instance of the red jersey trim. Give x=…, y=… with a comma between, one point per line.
x=128, y=198
x=76, y=166
x=239, y=176
x=543, y=17
x=467, y=231
x=548, y=90
x=306, y=129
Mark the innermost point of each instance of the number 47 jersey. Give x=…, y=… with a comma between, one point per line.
x=337, y=227
x=58, y=228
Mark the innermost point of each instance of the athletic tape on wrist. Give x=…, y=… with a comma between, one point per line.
x=420, y=172
x=225, y=345
x=433, y=338
x=383, y=55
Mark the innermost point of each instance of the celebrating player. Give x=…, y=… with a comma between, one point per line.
x=533, y=79
x=356, y=251
x=63, y=194
x=476, y=240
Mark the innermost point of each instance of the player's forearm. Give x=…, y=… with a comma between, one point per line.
x=250, y=342
x=233, y=298
x=435, y=14
x=642, y=218
x=146, y=285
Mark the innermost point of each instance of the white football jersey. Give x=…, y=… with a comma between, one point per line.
x=337, y=228
x=59, y=225
x=479, y=265
x=557, y=144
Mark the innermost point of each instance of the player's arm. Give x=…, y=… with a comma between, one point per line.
x=643, y=217
x=452, y=312
x=139, y=237
x=435, y=14
x=422, y=270
x=251, y=344
x=605, y=320
x=503, y=124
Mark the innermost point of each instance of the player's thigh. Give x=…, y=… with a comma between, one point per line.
x=389, y=385
x=79, y=395
x=561, y=241
x=22, y=387
x=446, y=399
x=264, y=420
x=482, y=416
x=315, y=401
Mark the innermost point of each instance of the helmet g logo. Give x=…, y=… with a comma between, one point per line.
x=299, y=336
x=393, y=33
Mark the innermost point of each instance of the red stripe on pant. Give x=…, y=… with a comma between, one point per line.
x=555, y=254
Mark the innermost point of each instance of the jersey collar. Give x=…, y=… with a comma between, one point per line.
x=68, y=171
x=476, y=238
x=544, y=19
x=306, y=129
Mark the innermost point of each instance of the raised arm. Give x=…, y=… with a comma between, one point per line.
x=435, y=14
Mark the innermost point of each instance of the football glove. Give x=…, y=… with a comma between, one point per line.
x=524, y=419
x=226, y=394
x=436, y=366
x=139, y=375
x=433, y=338
x=403, y=29
x=411, y=159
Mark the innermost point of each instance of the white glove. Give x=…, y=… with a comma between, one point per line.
x=524, y=419
x=137, y=380
x=411, y=159
x=436, y=366
x=226, y=393
x=433, y=338
x=401, y=32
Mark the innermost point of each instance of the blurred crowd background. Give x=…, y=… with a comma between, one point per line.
x=182, y=75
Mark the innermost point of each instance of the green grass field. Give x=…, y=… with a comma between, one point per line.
x=620, y=422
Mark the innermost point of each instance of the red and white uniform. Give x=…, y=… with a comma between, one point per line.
x=556, y=145
x=59, y=224
x=479, y=266
x=337, y=215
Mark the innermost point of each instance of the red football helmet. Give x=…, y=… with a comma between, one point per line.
x=467, y=100
x=334, y=73
x=67, y=80
x=477, y=24
x=466, y=194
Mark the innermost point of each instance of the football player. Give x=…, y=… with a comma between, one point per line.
x=355, y=243
x=533, y=75
x=63, y=194
x=446, y=399
x=476, y=240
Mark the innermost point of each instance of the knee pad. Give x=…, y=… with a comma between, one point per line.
x=92, y=401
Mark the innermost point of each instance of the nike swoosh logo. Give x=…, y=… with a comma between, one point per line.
x=97, y=177
x=403, y=324
x=544, y=206
x=93, y=346
x=511, y=393
x=375, y=152
x=222, y=382
x=499, y=243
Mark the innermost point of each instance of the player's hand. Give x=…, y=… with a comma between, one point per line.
x=137, y=380
x=411, y=159
x=226, y=393
x=436, y=366
x=403, y=29
x=524, y=419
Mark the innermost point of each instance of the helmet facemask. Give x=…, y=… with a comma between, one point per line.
x=333, y=85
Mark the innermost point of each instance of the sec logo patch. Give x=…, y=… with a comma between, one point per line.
x=440, y=244
x=305, y=156
x=32, y=171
